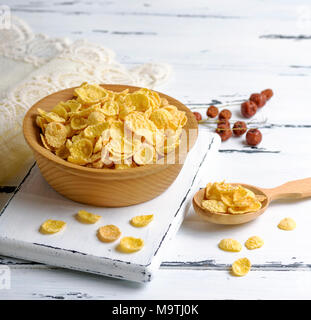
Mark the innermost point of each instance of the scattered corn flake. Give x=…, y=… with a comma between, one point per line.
x=87, y=217
x=287, y=224
x=230, y=245
x=254, y=242
x=130, y=244
x=241, y=267
x=108, y=233
x=52, y=226
x=141, y=221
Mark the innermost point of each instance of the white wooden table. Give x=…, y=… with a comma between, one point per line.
x=222, y=51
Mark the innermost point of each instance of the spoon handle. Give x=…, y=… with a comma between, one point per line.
x=297, y=189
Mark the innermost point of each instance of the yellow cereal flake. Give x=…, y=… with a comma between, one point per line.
x=55, y=134
x=44, y=142
x=122, y=166
x=252, y=207
x=110, y=108
x=254, y=242
x=96, y=117
x=287, y=224
x=141, y=221
x=130, y=128
x=214, y=206
x=77, y=160
x=78, y=123
x=61, y=111
x=96, y=130
x=108, y=233
x=87, y=217
x=81, y=149
x=227, y=198
x=261, y=197
x=145, y=155
x=207, y=189
x=62, y=152
x=41, y=122
x=241, y=267
x=230, y=245
x=50, y=116
x=130, y=244
x=90, y=94
x=52, y=226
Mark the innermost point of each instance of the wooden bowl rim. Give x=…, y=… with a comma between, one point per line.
x=29, y=127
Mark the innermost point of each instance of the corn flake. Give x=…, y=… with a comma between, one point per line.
x=90, y=94
x=287, y=224
x=96, y=130
x=230, y=245
x=141, y=221
x=108, y=233
x=50, y=116
x=254, y=242
x=87, y=217
x=241, y=267
x=128, y=129
x=228, y=198
x=52, y=226
x=214, y=206
x=81, y=148
x=130, y=244
x=55, y=134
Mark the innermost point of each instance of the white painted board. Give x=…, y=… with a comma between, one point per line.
x=77, y=246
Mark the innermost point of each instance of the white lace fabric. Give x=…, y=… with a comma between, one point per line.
x=34, y=65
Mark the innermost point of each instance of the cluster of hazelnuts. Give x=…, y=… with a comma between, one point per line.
x=248, y=109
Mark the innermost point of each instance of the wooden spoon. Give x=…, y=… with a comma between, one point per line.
x=297, y=189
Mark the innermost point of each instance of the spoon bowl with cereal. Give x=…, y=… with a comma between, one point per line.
x=224, y=203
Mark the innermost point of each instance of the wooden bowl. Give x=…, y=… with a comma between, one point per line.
x=102, y=187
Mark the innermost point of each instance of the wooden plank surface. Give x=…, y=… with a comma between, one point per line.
x=220, y=52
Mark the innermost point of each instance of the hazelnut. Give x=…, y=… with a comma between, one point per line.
x=253, y=137
x=224, y=132
x=239, y=128
x=198, y=116
x=225, y=114
x=248, y=109
x=223, y=121
x=259, y=99
x=212, y=112
x=268, y=93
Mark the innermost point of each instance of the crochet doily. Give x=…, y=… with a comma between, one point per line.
x=57, y=64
